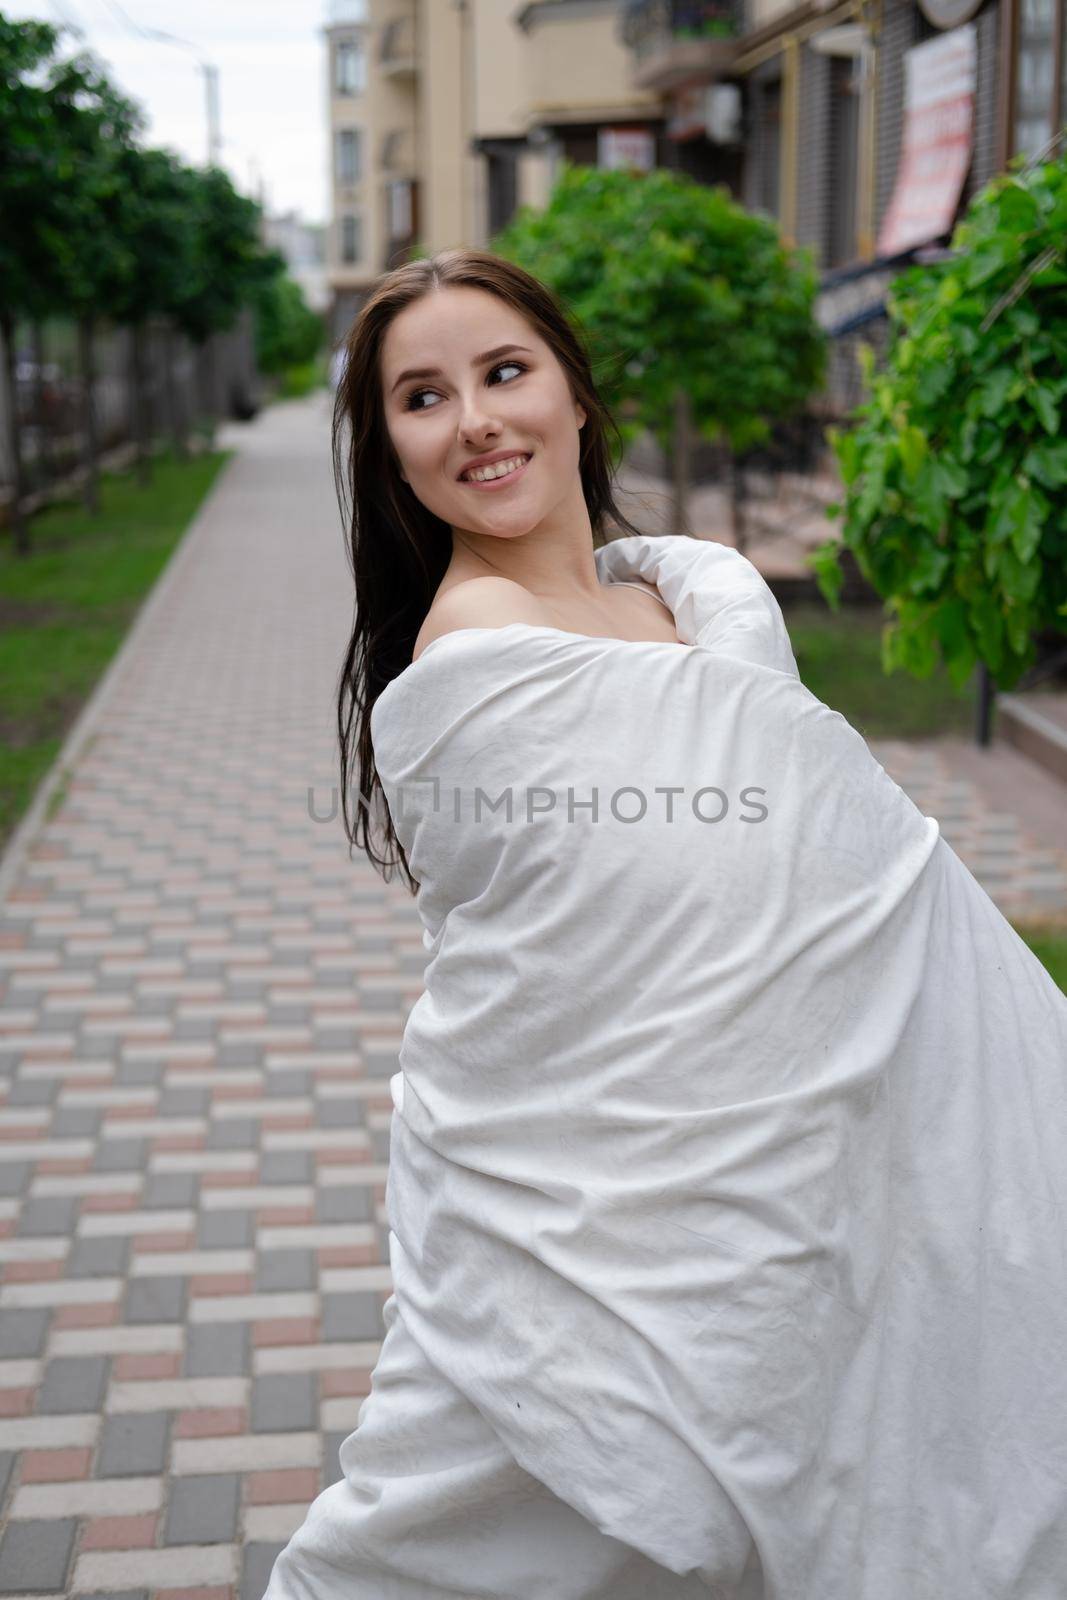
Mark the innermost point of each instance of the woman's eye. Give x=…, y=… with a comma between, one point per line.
x=500, y=367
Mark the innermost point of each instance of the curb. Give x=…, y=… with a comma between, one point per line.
x=90, y=716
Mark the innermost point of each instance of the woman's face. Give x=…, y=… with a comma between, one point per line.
x=517, y=400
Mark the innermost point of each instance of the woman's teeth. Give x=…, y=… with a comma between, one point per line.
x=499, y=469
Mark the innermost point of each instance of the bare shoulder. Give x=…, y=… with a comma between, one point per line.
x=485, y=602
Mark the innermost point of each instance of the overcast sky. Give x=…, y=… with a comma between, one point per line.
x=270, y=56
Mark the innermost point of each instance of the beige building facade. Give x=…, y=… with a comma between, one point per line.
x=448, y=115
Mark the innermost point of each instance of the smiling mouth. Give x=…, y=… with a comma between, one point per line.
x=505, y=477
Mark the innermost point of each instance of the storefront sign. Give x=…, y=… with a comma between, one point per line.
x=937, y=143
x=626, y=147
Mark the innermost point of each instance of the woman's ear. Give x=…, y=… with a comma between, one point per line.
x=581, y=415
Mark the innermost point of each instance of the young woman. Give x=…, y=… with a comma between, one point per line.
x=727, y=1196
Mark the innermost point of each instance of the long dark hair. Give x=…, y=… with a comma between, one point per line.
x=399, y=550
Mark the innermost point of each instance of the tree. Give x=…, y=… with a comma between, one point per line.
x=228, y=264
x=288, y=332
x=145, y=209
x=41, y=102
x=89, y=266
x=955, y=472
x=693, y=305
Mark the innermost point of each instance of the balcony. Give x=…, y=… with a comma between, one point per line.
x=343, y=13
x=396, y=53
x=680, y=42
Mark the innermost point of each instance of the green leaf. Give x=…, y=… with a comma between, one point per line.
x=912, y=446
x=1047, y=462
x=1043, y=400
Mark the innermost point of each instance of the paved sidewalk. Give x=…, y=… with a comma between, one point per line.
x=201, y=1003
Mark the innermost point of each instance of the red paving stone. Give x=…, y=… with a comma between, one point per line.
x=216, y=1423
x=281, y=1487
x=55, y=1466
x=120, y=1533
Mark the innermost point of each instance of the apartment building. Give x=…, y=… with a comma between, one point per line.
x=862, y=126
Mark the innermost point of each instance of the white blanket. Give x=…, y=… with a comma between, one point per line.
x=728, y=1184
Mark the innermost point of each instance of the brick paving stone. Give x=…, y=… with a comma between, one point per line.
x=201, y=1004
x=203, y=1509
x=133, y=1444
x=35, y=1555
x=73, y=1383
x=284, y=1402
x=23, y=1331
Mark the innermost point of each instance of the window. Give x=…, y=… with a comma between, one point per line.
x=350, y=63
x=1039, y=95
x=351, y=243
x=349, y=156
x=770, y=142
x=844, y=150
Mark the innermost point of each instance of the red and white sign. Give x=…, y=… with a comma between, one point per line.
x=626, y=147
x=938, y=140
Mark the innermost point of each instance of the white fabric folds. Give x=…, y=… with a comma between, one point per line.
x=728, y=1182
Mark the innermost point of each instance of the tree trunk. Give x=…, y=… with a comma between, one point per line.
x=737, y=503
x=211, y=368
x=176, y=417
x=46, y=466
x=14, y=442
x=680, y=462
x=139, y=406
x=90, y=445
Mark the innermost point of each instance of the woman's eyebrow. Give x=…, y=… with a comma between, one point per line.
x=435, y=372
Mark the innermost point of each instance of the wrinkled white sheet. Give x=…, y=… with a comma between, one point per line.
x=728, y=1183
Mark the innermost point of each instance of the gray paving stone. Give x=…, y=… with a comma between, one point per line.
x=32, y=1092
x=48, y=1214
x=331, y=1464
x=346, y=1203
x=98, y=1258
x=380, y=1063
x=351, y=1316
x=379, y=1138
x=284, y=1269
x=14, y=1176
x=286, y=1166
x=193, y=1029
x=291, y=1080
x=257, y=1560
x=236, y=1055
x=288, y=1016
x=340, y=1114
x=163, y=1191
x=218, y=1230
x=155, y=1299
x=337, y=1038
x=284, y=1402
x=153, y=1005
x=193, y=1102
x=35, y=1555
x=132, y=1444
x=74, y=1122
x=139, y=1074
x=73, y=1384
x=233, y=1133
x=7, y=1462
x=246, y=989
x=121, y=1155
x=218, y=1350
x=203, y=1509
x=204, y=969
